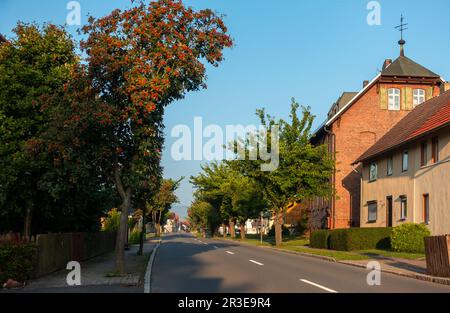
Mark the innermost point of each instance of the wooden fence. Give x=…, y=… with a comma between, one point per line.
x=437, y=251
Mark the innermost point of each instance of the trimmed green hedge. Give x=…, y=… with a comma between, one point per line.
x=409, y=237
x=355, y=239
x=352, y=239
x=319, y=239
x=17, y=261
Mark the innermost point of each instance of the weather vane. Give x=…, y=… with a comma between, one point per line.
x=402, y=27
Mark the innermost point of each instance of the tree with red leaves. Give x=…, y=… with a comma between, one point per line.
x=139, y=61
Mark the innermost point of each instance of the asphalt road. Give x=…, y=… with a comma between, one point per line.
x=186, y=264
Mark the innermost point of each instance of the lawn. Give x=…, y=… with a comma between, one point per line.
x=301, y=244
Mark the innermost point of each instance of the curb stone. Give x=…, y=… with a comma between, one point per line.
x=148, y=272
x=423, y=277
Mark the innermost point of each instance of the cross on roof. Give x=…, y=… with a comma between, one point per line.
x=402, y=27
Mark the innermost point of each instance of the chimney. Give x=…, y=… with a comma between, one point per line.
x=387, y=62
x=445, y=87
x=365, y=83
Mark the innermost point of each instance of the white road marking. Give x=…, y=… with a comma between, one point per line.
x=257, y=263
x=216, y=247
x=318, y=286
x=205, y=243
x=229, y=252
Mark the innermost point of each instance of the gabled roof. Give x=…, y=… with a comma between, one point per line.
x=353, y=100
x=345, y=98
x=405, y=67
x=425, y=118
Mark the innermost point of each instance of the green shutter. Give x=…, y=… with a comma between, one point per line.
x=409, y=98
x=383, y=98
x=430, y=93
x=403, y=105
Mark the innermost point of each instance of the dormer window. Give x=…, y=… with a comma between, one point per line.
x=394, y=99
x=418, y=97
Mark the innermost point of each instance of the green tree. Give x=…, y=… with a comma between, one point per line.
x=160, y=204
x=138, y=61
x=303, y=172
x=203, y=217
x=34, y=65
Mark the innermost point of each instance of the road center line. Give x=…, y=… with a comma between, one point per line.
x=318, y=286
x=257, y=263
x=229, y=252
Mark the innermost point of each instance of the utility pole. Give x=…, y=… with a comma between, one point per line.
x=261, y=227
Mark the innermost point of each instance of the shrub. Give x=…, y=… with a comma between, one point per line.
x=409, y=237
x=319, y=239
x=355, y=239
x=135, y=237
x=17, y=261
x=285, y=231
x=302, y=225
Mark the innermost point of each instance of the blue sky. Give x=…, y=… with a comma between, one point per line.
x=312, y=50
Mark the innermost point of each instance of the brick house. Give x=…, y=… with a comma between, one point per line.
x=406, y=174
x=359, y=119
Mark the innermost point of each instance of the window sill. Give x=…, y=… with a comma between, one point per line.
x=371, y=222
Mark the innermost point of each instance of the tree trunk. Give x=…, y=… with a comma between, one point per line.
x=242, y=231
x=224, y=227
x=232, y=229
x=143, y=235
x=27, y=222
x=279, y=221
x=123, y=225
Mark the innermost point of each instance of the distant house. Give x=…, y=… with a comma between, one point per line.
x=406, y=174
x=356, y=121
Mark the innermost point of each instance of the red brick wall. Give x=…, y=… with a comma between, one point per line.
x=356, y=131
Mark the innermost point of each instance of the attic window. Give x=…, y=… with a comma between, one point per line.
x=394, y=99
x=418, y=97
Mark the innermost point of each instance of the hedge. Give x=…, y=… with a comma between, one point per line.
x=355, y=239
x=319, y=239
x=17, y=261
x=409, y=237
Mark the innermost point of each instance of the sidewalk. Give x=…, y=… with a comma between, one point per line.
x=94, y=272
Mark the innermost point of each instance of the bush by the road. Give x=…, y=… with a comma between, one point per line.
x=17, y=261
x=135, y=237
x=285, y=231
x=355, y=239
x=409, y=237
x=319, y=239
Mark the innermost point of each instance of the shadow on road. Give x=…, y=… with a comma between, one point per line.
x=185, y=266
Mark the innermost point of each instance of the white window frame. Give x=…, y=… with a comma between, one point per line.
x=373, y=172
x=419, y=96
x=403, y=208
x=405, y=165
x=372, y=215
x=390, y=166
x=394, y=99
